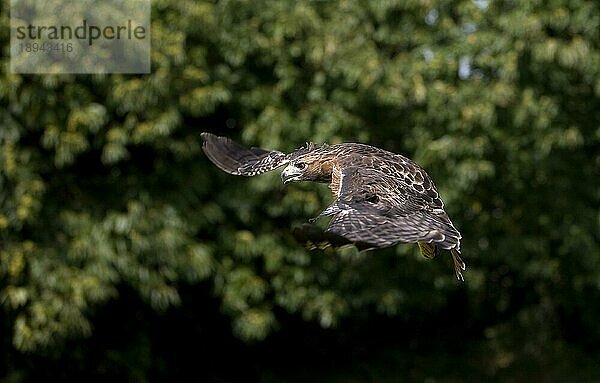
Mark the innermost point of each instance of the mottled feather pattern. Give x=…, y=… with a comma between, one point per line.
x=381, y=198
x=235, y=159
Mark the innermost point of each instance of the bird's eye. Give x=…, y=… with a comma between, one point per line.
x=301, y=165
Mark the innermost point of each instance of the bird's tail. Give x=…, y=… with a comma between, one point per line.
x=428, y=250
x=431, y=250
x=459, y=265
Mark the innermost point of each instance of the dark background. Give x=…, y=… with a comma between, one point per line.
x=126, y=255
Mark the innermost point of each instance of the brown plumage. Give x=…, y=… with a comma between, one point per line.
x=381, y=198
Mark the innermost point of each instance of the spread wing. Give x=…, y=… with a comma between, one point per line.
x=235, y=159
x=377, y=209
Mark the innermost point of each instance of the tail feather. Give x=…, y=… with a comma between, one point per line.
x=459, y=265
x=428, y=250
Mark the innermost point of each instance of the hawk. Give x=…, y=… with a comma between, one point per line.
x=381, y=198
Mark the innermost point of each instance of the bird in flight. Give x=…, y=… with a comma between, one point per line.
x=381, y=198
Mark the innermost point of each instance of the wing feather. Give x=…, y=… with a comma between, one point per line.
x=235, y=159
x=381, y=210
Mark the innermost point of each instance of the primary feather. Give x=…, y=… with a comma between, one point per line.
x=235, y=159
x=381, y=198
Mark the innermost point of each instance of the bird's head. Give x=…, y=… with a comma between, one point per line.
x=295, y=171
x=306, y=165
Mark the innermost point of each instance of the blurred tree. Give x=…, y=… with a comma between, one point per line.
x=103, y=186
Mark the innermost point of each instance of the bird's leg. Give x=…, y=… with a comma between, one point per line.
x=329, y=211
x=313, y=220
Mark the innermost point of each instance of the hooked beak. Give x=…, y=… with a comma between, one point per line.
x=290, y=174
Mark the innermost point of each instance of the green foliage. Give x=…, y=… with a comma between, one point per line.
x=103, y=183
